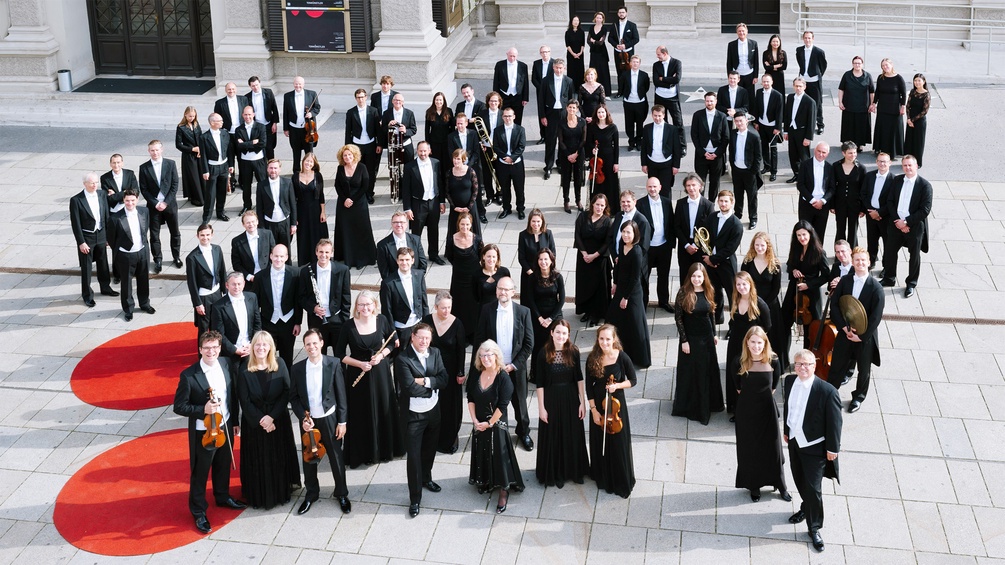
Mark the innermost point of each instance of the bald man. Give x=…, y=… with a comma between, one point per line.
x=88, y=219
x=299, y=105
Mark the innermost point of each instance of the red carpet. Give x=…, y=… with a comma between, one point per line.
x=138, y=370
x=133, y=499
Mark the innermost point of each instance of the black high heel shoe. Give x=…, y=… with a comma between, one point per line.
x=503, y=501
x=755, y=495
x=584, y=318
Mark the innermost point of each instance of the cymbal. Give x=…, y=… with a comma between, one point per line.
x=854, y=314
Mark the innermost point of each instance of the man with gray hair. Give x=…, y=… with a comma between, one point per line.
x=237, y=318
x=88, y=220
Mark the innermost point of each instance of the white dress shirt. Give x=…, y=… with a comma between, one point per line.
x=877, y=189
x=796, y=100
x=426, y=173
x=95, y=206
x=406, y=283
x=278, y=279
x=324, y=277
x=241, y=313
x=740, y=154
x=659, y=237
x=856, y=288
x=315, y=392
x=214, y=374
x=798, y=397
x=207, y=254
x=818, y=180
x=657, y=155
x=364, y=138
x=277, y=214
x=253, y=244
x=904, y=204
x=504, y=332
x=222, y=157
x=422, y=405
x=133, y=219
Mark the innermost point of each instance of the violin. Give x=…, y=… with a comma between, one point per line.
x=314, y=451
x=311, y=124
x=215, y=436
x=597, y=170
x=823, y=335
x=612, y=423
x=803, y=312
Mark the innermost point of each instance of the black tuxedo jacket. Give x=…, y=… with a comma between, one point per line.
x=535, y=72
x=82, y=220
x=264, y=204
x=291, y=113
x=751, y=150
x=869, y=184
x=523, y=331
x=517, y=143
x=394, y=301
x=332, y=389
x=822, y=418
x=806, y=116
x=774, y=112
x=192, y=394
x=271, y=109
x=630, y=37
x=816, y=66
x=645, y=233
x=113, y=191
x=872, y=299
x=733, y=55
x=682, y=220
x=667, y=78
x=168, y=185
x=476, y=110
x=224, y=320
x=241, y=258
x=805, y=182
x=387, y=254
x=118, y=230
x=407, y=368
x=408, y=119
x=375, y=101
x=245, y=143
x=671, y=144
x=354, y=128
x=722, y=100
x=500, y=80
x=492, y=127
x=221, y=107
x=920, y=207
x=625, y=84
x=472, y=143
x=644, y=206
x=724, y=243
x=339, y=294
x=198, y=274
x=701, y=135
x=290, y=300
x=546, y=95
x=210, y=153
x=412, y=188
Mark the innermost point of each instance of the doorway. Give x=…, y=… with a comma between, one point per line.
x=761, y=16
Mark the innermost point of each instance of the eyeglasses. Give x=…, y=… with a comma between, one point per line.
x=503, y=288
x=210, y=347
x=487, y=355
x=799, y=364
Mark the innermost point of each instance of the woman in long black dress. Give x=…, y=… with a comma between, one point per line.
x=493, y=460
x=699, y=390
x=917, y=122
x=766, y=271
x=545, y=298
x=602, y=142
x=376, y=432
x=571, y=139
x=575, y=45
x=186, y=140
x=600, y=58
x=855, y=97
x=609, y=370
x=354, y=244
x=462, y=250
x=746, y=309
x=536, y=237
x=488, y=277
x=807, y=269
x=775, y=62
x=889, y=107
x=270, y=468
x=439, y=124
x=759, y=458
x=591, y=95
x=626, y=311
x=849, y=176
x=448, y=337
x=561, y=402
x=312, y=221
x=593, y=268
x=462, y=192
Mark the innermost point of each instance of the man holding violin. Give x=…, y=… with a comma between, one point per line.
x=300, y=106
x=193, y=399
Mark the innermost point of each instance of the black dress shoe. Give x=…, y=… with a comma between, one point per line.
x=818, y=541
x=887, y=282
x=483, y=219
x=304, y=507
x=820, y=130
x=148, y=309
x=370, y=200
x=753, y=224
x=202, y=524
x=223, y=218
x=116, y=279
x=631, y=147
x=521, y=215
x=345, y=504
x=90, y=303
x=797, y=517
x=231, y=503
x=504, y=214
x=438, y=260
x=784, y=495
x=177, y=263
x=584, y=318
x=755, y=495
x=527, y=443
x=667, y=307
x=539, y=141
x=431, y=486
x=732, y=420
x=413, y=510
x=109, y=292
x=547, y=174
x=128, y=316
x=683, y=152
x=157, y=267
x=793, y=179
x=854, y=406
x=909, y=292
x=773, y=177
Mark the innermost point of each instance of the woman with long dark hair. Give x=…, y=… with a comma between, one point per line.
x=699, y=390
x=609, y=371
x=626, y=311
x=593, y=268
x=312, y=221
x=807, y=269
x=545, y=298
x=439, y=124
x=186, y=140
x=561, y=401
x=571, y=140
x=532, y=240
x=575, y=44
x=604, y=151
x=918, y=102
x=849, y=176
x=463, y=247
x=775, y=62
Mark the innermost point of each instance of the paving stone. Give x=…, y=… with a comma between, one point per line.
x=620, y=544
x=991, y=523
x=961, y=530
x=953, y=438
x=924, y=479
x=925, y=525
x=879, y=523
x=553, y=542
x=912, y=435
x=452, y=528
x=697, y=548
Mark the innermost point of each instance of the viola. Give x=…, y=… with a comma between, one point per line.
x=597, y=170
x=215, y=436
x=823, y=334
x=314, y=450
x=803, y=312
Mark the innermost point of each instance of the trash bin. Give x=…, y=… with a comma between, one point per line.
x=65, y=80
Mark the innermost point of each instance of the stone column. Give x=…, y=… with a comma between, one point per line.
x=672, y=19
x=28, y=53
x=239, y=47
x=521, y=19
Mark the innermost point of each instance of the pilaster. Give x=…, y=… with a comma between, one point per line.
x=412, y=51
x=28, y=52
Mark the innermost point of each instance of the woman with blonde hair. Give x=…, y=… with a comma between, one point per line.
x=746, y=310
x=699, y=391
x=354, y=245
x=765, y=270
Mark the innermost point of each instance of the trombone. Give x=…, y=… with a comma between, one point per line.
x=701, y=240
x=487, y=151
x=395, y=159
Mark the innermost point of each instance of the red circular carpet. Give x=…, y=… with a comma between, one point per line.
x=133, y=499
x=138, y=370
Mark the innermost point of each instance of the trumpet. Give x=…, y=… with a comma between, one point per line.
x=487, y=151
x=701, y=239
x=395, y=159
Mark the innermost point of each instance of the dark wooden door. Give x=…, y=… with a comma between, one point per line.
x=585, y=9
x=761, y=16
x=152, y=37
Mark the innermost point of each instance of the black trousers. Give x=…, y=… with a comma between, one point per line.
x=847, y=223
x=214, y=193
x=129, y=265
x=514, y=102
x=326, y=425
x=816, y=93
x=895, y=239
x=750, y=83
x=512, y=178
x=329, y=332
x=248, y=169
x=660, y=257
x=846, y=356
x=519, y=402
x=685, y=260
x=818, y=218
x=427, y=215
x=722, y=283
x=281, y=233
x=551, y=137
x=744, y=186
x=202, y=461
x=769, y=151
x=571, y=172
x=875, y=230
x=672, y=106
x=664, y=172
x=635, y=117
x=270, y=144
x=422, y=431
x=797, y=151
x=709, y=171
x=282, y=333
x=808, y=471
x=299, y=146
x=372, y=163
x=96, y=255
x=168, y=216
x=202, y=322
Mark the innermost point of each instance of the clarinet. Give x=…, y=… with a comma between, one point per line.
x=317, y=291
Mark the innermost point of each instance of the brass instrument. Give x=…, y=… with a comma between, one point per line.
x=395, y=159
x=701, y=239
x=487, y=151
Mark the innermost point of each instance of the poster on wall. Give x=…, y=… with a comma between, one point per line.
x=317, y=31
x=315, y=4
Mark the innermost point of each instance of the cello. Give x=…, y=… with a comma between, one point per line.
x=822, y=334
